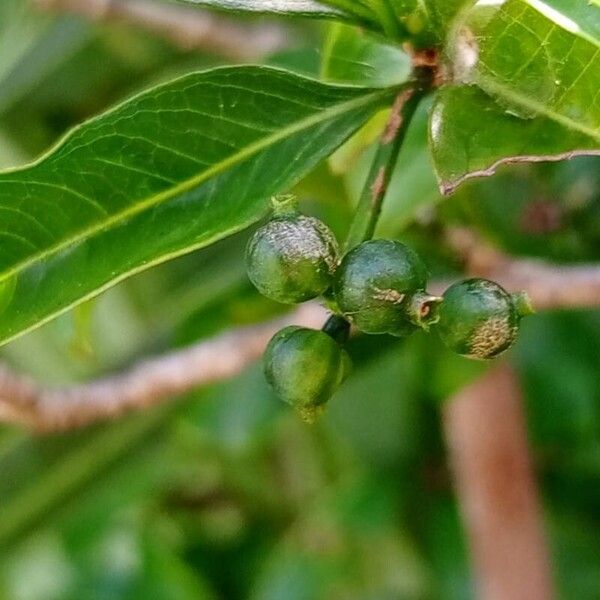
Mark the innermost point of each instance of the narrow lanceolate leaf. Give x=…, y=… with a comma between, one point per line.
x=541, y=77
x=471, y=135
x=172, y=170
x=305, y=8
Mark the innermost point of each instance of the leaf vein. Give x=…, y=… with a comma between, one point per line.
x=252, y=149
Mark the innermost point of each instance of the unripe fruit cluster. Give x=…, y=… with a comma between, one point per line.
x=379, y=287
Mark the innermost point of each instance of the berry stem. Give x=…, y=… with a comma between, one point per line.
x=338, y=328
x=371, y=200
x=523, y=304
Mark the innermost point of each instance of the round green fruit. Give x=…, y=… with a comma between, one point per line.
x=380, y=287
x=292, y=258
x=480, y=319
x=305, y=367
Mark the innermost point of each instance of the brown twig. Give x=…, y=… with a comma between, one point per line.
x=156, y=380
x=188, y=28
x=485, y=432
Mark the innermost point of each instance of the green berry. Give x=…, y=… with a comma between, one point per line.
x=305, y=367
x=292, y=258
x=380, y=287
x=479, y=319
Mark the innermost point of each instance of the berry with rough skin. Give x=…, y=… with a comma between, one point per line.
x=292, y=258
x=479, y=319
x=305, y=367
x=380, y=287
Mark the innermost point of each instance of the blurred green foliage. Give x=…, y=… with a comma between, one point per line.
x=225, y=493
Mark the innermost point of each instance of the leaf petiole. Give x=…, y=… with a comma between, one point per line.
x=373, y=194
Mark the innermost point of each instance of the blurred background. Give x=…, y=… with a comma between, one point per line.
x=225, y=494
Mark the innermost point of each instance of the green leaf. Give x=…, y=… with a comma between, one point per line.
x=171, y=170
x=350, y=55
x=340, y=9
x=471, y=135
x=55, y=469
x=31, y=46
x=577, y=17
x=426, y=21
x=18, y=31
x=359, y=12
x=443, y=12
x=542, y=81
x=48, y=46
x=535, y=67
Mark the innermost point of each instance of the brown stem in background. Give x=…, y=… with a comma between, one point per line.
x=160, y=379
x=150, y=382
x=485, y=432
x=188, y=28
x=549, y=286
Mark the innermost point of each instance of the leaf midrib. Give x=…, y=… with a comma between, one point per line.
x=189, y=184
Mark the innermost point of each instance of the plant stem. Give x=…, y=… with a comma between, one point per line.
x=338, y=328
x=371, y=200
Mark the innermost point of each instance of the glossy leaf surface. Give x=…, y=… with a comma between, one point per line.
x=471, y=135
x=306, y=8
x=580, y=18
x=353, y=56
x=536, y=67
x=171, y=170
x=541, y=76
